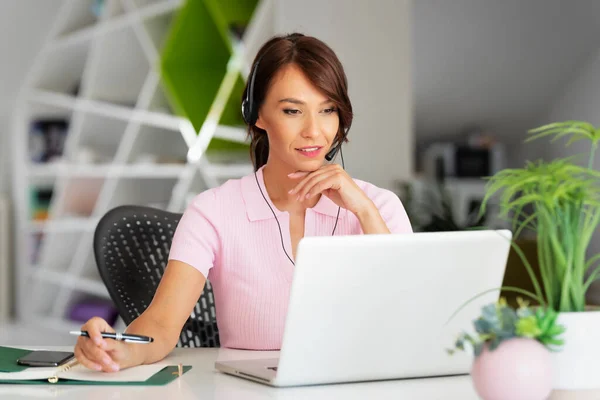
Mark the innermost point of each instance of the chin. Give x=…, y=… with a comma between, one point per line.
x=309, y=165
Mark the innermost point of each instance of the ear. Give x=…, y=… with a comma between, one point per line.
x=260, y=123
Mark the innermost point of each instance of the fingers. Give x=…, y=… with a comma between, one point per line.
x=93, y=350
x=95, y=327
x=95, y=355
x=86, y=361
x=310, y=179
x=318, y=184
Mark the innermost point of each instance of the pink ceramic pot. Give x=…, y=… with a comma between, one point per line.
x=518, y=369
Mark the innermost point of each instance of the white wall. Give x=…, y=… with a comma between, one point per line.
x=23, y=27
x=372, y=40
x=496, y=64
x=579, y=100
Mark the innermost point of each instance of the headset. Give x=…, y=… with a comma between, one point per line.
x=250, y=115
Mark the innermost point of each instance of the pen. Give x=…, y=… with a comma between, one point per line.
x=126, y=337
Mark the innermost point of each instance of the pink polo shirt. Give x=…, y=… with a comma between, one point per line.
x=230, y=235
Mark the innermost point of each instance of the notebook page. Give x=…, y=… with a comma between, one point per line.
x=138, y=373
x=29, y=374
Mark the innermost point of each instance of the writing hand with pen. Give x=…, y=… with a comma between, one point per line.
x=100, y=348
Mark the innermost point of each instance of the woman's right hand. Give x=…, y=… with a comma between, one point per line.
x=101, y=354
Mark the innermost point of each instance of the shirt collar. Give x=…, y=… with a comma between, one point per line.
x=258, y=209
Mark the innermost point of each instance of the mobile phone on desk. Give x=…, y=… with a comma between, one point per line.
x=46, y=358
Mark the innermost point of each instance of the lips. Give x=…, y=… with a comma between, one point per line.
x=310, y=151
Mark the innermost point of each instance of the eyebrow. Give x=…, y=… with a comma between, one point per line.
x=296, y=101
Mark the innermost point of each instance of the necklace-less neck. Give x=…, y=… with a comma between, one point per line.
x=279, y=226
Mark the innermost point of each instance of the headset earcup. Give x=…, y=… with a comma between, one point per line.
x=245, y=115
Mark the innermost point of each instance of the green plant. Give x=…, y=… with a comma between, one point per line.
x=564, y=199
x=499, y=322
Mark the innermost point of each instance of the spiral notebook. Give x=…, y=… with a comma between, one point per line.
x=158, y=373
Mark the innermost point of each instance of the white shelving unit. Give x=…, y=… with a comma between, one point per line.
x=123, y=144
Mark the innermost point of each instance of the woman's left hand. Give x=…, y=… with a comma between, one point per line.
x=335, y=183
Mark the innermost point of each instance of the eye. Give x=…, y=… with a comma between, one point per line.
x=330, y=110
x=290, y=111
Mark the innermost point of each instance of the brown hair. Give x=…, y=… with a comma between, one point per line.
x=320, y=65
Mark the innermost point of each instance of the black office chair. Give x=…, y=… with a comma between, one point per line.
x=131, y=247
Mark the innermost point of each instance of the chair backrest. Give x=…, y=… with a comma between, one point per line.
x=131, y=247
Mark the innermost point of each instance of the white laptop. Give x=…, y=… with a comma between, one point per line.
x=376, y=307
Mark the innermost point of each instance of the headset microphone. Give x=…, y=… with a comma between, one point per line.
x=329, y=156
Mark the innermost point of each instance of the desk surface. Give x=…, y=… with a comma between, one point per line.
x=203, y=381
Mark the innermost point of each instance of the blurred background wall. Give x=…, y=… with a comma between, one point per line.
x=24, y=25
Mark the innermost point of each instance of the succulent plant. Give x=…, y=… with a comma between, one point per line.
x=499, y=322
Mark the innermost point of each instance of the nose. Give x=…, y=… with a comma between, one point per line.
x=311, y=128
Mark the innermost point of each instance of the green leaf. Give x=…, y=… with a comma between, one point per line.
x=528, y=327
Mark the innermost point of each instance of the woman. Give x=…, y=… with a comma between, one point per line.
x=244, y=234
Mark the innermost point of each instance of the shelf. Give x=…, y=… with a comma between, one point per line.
x=153, y=193
x=118, y=20
x=63, y=69
x=43, y=173
x=232, y=134
x=64, y=169
x=152, y=171
x=159, y=102
x=60, y=325
x=121, y=68
x=106, y=109
x=79, y=197
x=146, y=3
x=157, y=27
x=229, y=171
x=42, y=295
x=64, y=225
x=158, y=145
x=91, y=286
x=114, y=9
x=56, y=251
x=80, y=16
x=101, y=73
x=99, y=139
x=158, y=114
x=152, y=8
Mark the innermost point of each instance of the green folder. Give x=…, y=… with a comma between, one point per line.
x=8, y=359
x=8, y=363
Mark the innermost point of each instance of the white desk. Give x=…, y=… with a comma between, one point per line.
x=204, y=382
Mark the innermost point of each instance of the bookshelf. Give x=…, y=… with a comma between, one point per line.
x=102, y=120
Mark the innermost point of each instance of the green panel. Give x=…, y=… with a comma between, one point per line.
x=192, y=91
x=195, y=38
x=236, y=12
x=194, y=61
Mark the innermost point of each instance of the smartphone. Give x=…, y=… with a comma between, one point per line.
x=45, y=358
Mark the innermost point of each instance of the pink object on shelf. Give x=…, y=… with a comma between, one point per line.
x=519, y=369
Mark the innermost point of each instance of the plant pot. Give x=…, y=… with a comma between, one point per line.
x=576, y=364
x=518, y=369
